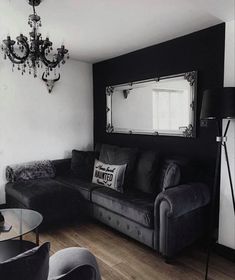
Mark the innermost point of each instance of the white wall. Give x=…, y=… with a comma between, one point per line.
x=227, y=219
x=35, y=125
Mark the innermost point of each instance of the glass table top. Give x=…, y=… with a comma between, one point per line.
x=22, y=221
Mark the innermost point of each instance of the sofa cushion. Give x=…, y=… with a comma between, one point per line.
x=133, y=204
x=146, y=172
x=110, y=154
x=109, y=175
x=30, y=265
x=82, y=163
x=51, y=198
x=83, y=187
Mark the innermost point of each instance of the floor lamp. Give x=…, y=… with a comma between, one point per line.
x=218, y=104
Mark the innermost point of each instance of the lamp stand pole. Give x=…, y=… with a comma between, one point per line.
x=213, y=196
x=228, y=166
x=221, y=141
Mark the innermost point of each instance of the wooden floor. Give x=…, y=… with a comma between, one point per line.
x=121, y=258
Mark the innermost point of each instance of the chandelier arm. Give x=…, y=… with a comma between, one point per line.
x=15, y=60
x=46, y=61
x=24, y=43
x=14, y=57
x=49, y=63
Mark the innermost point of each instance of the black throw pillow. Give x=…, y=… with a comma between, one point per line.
x=82, y=164
x=146, y=171
x=31, y=265
x=111, y=154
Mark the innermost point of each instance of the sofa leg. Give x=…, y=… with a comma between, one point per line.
x=168, y=260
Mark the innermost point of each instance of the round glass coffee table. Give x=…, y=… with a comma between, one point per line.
x=18, y=222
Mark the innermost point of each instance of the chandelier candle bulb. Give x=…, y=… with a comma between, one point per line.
x=34, y=51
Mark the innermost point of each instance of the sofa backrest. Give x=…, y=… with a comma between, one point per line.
x=149, y=171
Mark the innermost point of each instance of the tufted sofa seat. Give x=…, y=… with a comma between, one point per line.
x=134, y=205
x=84, y=188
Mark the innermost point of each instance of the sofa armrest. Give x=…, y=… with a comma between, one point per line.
x=180, y=217
x=62, y=166
x=184, y=198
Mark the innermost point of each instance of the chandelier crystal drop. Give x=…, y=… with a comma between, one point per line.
x=33, y=53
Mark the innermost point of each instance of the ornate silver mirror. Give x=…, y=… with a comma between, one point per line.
x=161, y=106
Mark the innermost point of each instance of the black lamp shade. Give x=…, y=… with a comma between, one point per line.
x=211, y=104
x=228, y=103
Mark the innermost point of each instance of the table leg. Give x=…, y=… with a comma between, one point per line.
x=37, y=236
x=21, y=243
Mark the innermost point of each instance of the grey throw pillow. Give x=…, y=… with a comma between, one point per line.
x=31, y=265
x=107, y=175
x=171, y=176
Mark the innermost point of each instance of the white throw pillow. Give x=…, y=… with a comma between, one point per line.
x=107, y=175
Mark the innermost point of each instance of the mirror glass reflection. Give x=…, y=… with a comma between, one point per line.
x=162, y=106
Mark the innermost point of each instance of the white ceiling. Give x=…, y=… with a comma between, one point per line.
x=95, y=30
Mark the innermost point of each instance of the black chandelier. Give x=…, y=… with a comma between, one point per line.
x=33, y=53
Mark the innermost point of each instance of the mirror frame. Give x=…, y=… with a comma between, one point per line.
x=189, y=131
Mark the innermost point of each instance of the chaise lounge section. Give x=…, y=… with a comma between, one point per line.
x=163, y=205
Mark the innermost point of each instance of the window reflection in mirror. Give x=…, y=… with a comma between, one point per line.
x=163, y=106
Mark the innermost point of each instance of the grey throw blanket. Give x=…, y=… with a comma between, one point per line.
x=29, y=171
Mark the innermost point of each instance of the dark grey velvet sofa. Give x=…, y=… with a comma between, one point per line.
x=166, y=219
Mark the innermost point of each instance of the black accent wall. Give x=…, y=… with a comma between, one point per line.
x=202, y=51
